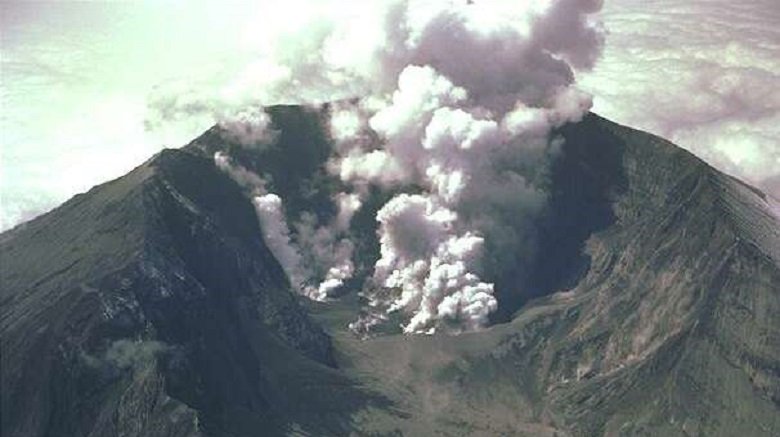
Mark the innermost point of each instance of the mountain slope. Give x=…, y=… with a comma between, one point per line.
x=150, y=306
x=678, y=315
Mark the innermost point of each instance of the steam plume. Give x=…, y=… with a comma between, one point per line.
x=459, y=100
x=319, y=260
x=478, y=88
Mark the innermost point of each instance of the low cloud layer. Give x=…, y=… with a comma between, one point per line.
x=77, y=82
x=702, y=73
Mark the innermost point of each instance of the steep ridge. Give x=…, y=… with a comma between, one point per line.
x=150, y=306
x=677, y=329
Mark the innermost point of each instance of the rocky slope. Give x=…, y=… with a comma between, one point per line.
x=150, y=306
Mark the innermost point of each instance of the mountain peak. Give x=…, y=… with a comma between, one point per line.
x=151, y=305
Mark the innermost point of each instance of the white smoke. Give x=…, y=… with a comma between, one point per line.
x=250, y=127
x=270, y=213
x=319, y=259
x=424, y=257
x=307, y=51
x=348, y=205
x=478, y=89
x=327, y=248
x=276, y=235
x=248, y=180
x=458, y=100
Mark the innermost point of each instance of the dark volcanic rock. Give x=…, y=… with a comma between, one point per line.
x=151, y=307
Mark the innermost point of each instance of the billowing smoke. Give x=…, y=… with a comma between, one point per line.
x=431, y=263
x=478, y=89
x=458, y=102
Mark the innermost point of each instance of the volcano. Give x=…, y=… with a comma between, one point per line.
x=151, y=306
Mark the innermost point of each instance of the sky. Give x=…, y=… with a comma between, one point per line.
x=82, y=84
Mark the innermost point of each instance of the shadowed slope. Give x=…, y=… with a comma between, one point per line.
x=150, y=306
